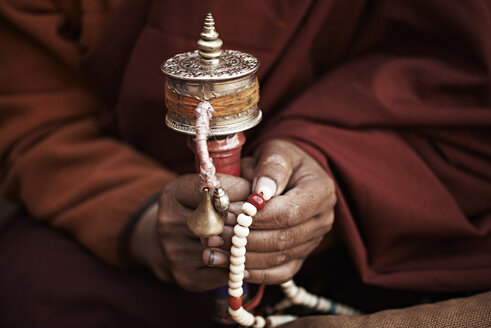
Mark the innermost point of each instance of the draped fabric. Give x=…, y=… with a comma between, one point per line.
x=391, y=97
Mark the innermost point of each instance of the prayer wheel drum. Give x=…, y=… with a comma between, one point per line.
x=225, y=78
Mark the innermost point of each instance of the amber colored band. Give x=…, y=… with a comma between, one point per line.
x=224, y=106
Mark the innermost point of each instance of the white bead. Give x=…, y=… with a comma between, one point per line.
x=238, y=241
x=236, y=292
x=249, y=209
x=241, y=231
x=237, y=268
x=260, y=322
x=287, y=284
x=324, y=305
x=265, y=192
x=244, y=220
x=299, y=296
x=236, y=276
x=278, y=320
x=237, y=251
x=235, y=284
x=237, y=260
x=241, y=316
x=289, y=288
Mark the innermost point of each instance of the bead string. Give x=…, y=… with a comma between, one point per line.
x=255, y=202
x=294, y=295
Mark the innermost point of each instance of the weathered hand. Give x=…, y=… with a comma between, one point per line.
x=294, y=221
x=163, y=242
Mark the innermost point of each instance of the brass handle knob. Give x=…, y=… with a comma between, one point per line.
x=205, y=221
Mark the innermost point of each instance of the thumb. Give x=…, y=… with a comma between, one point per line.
x=276, y=161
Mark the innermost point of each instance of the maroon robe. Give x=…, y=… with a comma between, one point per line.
x=391, y=97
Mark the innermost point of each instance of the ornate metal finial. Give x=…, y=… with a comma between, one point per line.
x=209, y=45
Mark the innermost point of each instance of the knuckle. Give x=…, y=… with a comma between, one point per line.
x=294, y=213
x=284, y=240
x=261, y=277
x=280, y=258
x=276, y=163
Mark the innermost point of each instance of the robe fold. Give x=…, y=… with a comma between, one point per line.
x=392, y=97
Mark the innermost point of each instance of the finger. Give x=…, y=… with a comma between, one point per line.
x=311, y=196
x=247, y=165
x=230, y=219
x=256, y=260
x=237, y=188
x=187, y=191
x=215, y=257
x=177, y=248
x=276, y=275
x=214, y=241
x=284, y=239
x=172, y=219
x=236, y=208
x=275, y=164
x=227, y=234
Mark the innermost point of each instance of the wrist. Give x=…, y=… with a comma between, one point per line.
x=144, y=246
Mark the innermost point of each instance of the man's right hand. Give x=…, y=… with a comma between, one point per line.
x=163, y=242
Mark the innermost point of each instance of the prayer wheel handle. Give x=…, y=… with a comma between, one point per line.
x=225, y=152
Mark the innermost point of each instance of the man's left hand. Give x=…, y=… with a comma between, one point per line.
x=294, y=221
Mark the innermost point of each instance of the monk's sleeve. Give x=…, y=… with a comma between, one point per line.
x=54, y=159
x=405, y=126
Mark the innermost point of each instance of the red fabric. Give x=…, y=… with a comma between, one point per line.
x=54, y=159
x=392, y=97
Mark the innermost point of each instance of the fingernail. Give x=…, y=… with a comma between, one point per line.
x=216, y=258
x=211, y=259
x=265, y=186
x=214, y=241
x=246, y=274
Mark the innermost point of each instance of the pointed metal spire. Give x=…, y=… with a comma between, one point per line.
x=209, y=45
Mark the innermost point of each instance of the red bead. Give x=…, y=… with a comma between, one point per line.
x=257, y=201
x=235, y=302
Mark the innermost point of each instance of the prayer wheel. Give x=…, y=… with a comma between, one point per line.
x=227, y=80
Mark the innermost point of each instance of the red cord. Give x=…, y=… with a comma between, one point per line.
x=256, y=299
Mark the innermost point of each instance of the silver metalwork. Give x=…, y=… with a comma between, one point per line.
x=219, y=126
x=210, y=73
x=230, y=65
x=221, y=201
